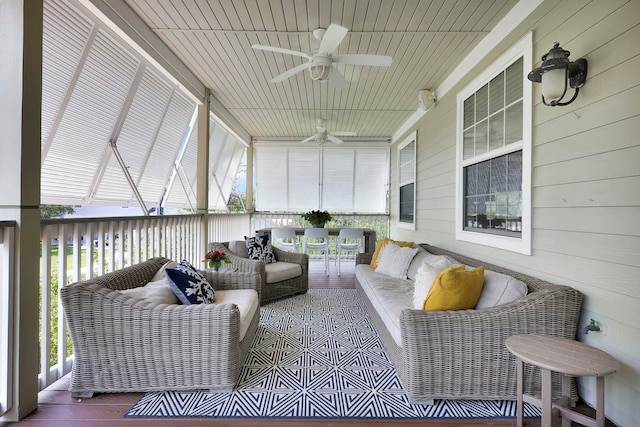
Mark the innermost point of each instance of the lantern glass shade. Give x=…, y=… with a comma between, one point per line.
x=320, y=72
x=554, y=84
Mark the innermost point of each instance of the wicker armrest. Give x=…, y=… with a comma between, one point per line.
x=292, y=257
x=363, y=258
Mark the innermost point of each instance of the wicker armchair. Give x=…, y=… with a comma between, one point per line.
x=270, y=291
x=123, y=344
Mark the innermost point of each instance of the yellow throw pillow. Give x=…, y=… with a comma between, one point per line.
x=380, y=244
x=455, y=289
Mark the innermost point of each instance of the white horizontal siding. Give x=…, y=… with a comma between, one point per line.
x=586, y=183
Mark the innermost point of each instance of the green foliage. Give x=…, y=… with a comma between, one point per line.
x=317, y=217
x=55, y=211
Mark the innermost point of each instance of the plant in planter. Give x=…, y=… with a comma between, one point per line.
x=317, y=218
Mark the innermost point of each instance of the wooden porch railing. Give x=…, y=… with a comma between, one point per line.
x=81, y=248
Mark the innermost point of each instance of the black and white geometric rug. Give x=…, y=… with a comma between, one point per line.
x=316, y=356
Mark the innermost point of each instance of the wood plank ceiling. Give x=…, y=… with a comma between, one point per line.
x=426, y=38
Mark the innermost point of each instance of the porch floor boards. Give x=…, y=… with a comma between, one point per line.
x=56, y=407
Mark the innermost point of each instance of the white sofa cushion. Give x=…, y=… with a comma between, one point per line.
x=500, y=289
x=416, y=262
x=280, y=270
x=247, y=302
x=394, y=260
x=158, y=291
x=425, y=276
x=239, y=248
x=388, y=296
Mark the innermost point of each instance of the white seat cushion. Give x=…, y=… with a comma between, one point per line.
x=280, y=270
x=247, y=302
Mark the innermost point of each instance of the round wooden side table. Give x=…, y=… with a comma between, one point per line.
x=571, y=359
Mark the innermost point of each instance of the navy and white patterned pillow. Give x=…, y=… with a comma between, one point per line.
x=259, y=248
x=186, y=263
x=189, y=285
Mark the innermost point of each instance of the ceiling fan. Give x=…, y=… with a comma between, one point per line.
x=321, y=63
x=321, y=136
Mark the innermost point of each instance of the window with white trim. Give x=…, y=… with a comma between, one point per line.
x=494, y=155
x=407, y=182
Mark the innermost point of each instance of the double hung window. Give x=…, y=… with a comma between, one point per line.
x=494, y=155
x=407, y=182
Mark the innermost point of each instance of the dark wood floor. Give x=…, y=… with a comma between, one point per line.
x=56, y=407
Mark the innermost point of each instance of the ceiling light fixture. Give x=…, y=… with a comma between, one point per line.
x=320, y=67
x=557, y=74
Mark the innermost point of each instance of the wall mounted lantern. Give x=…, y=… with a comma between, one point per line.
x=557, y=74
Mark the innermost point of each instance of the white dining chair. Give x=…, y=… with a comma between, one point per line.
x=317, y=239
x=350, y=240
x=284, y=238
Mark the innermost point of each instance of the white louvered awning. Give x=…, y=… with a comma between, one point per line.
x=112, y=121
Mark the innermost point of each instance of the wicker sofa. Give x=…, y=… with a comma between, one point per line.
x=125, y=344
x=461, y=354
x=272, y=287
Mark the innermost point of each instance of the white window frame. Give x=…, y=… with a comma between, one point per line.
x=522, y=49
x=412, y=138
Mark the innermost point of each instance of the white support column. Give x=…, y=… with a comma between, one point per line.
x=249, y=177
x=202, y=202
x=20, y=111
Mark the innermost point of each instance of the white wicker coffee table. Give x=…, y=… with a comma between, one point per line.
x=571, y=359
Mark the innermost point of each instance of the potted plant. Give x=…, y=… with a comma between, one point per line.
x=215, y=259
x=317, y=218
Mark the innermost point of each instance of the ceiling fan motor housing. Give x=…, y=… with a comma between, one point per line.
x=320, y=67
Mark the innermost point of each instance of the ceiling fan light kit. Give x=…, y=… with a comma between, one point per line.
x=320, y=67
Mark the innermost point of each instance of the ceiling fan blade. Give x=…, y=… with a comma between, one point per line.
x=334, y=139
x=336, y=79
x=280, y=50
x=289, y=73
x=332, y=38
x=339, y=133
x=311, y=138
x=373, y=60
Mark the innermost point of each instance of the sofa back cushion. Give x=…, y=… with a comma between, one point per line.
x=394, y=260
x=500, y=289
x=239, y=248
x=380, y=244
x=157, y=291
x=425, y=276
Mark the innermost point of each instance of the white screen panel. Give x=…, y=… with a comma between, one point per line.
x=370, y=187
x=337, y=189
x=304, y=170
x=271, y=179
